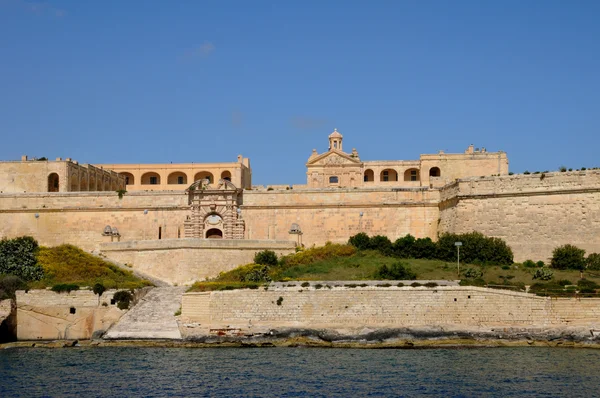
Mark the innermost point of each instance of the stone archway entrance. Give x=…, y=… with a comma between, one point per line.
x=214, y=233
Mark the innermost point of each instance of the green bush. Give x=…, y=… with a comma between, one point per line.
x=593, y=261
x=424, y=248
x=564, y=282
x=257, y=273
x=64, y=287
x=540, y=264
x=403, y=247
x=18, y=257
x=529, y=264
x=98, y=289
x=568, y=257
x=361, y=241
x=396, y=271
x=266, y=257
x=473, y=273
x=543, y=274
x=123, y=298
x=382, y=244
x=587, y=284
x=476, y=249
x=9, y=284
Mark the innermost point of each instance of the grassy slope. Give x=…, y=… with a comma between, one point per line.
x=69, y=264
x=337, y=262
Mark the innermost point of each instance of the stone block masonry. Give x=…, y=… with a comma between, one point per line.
x=184, y=261
x=386, y=307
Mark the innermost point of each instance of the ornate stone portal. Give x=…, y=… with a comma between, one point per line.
x=215, y=211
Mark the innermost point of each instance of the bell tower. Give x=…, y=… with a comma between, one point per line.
x=335, y=140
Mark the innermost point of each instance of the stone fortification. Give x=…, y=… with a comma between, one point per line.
x=336, y=214
x=184, y=261
x=46, y=315
x=533, y=213
x=385, y=307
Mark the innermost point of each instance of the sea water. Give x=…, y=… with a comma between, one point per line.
x=298, y=372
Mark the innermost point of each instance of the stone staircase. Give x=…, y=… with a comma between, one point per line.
x=152, y=318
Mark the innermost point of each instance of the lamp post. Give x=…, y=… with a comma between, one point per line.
x=458, y=245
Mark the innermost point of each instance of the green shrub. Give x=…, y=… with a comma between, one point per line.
x=123, y=298
x=396, y=271
x=473, y=273
x=18, y=257
x=266, y=257
x=305, y=284
x=476, y=249
x=65, y=287
x=315, y=254
x=564, y=282
x=431, y=284
x=9, y=284
x=540, y=264
x=403, y=247
x=587, y=284
x=568, y=257
x=361, y=241
x=256, y=273
x=543, y=274
x=424, y=248
x=472, y=282
x=382, y=244
x=415, y=284
x=99, y=289
x=593, y=261
x=529, y=264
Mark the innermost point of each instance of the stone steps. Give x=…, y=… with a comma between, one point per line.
x=152, y=318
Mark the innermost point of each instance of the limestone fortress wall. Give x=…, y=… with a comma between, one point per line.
x=385, y=307
x=56, y=202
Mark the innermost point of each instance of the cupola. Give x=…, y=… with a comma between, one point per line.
x=335, y=140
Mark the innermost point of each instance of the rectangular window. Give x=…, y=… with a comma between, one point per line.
x=333, y=180
x=153, y=180
x=180, y=180
x=413, y=175
x=386, y=176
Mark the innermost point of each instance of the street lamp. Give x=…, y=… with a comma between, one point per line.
x=458, y=245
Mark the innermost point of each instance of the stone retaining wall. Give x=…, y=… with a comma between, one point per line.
x=343, y=307
x=184, y=261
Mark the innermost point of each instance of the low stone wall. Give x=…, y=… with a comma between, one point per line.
x=184, y=261
x=46, y=315
x=387, y=307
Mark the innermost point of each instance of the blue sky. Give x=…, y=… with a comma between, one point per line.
x=182, y=81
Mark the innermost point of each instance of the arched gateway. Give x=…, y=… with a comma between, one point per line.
x=215, y=211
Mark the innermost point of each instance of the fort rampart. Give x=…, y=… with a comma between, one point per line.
x=184, y=261
x=386, y=307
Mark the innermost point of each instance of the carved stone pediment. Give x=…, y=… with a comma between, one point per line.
x=333, y=158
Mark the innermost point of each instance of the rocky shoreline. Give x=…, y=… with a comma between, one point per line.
x=365, y=339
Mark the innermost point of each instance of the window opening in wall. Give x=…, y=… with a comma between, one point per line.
x=126, y=180
x=72, y=310
x=159, y=232
x=180, y=180
x=153, y=180
x=413, y=175
x=434, y=172
x=333, y=180
x=178, y=232
x=386, y=175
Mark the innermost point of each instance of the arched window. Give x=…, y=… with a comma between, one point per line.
x=369, y=176
x=151, y=178
x=411, y=175
x=204, y=174
x=53, y=181
x=177, y=177
x=389, y=175
x=129, y=179
x=333, y=180
x=435, y=172
x=226, y=175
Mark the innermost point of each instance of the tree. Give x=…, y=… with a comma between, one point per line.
x=568, y=257
x=266, y=257
x=18, y=257
x=382, y=244
x=396, y=271
x=361, y=241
